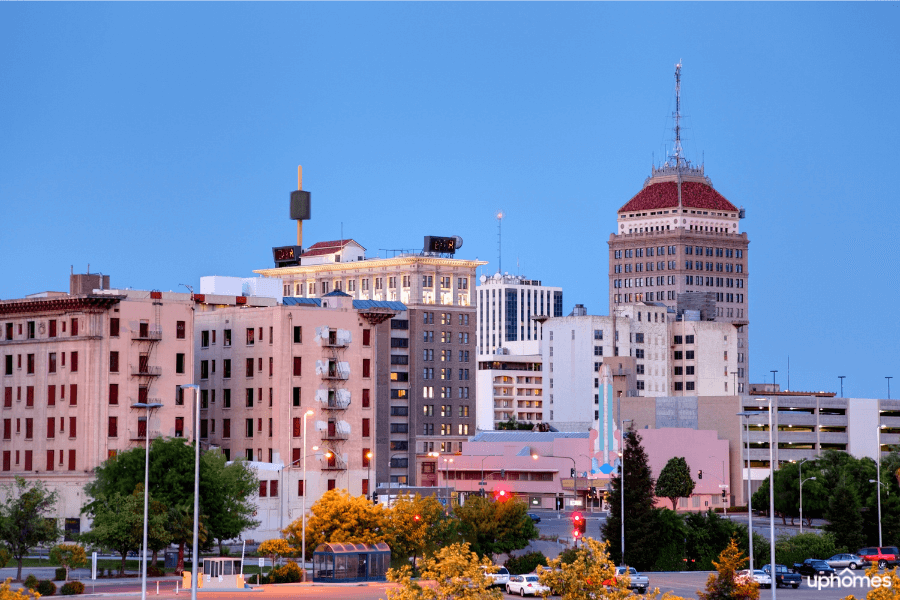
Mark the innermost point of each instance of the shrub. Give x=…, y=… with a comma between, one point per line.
x=72, y=588
x=31, y=582
x=4, y=557
x=568, y=556
x=45, y=587
x=289, y=573
x=527, y=563
x=60, y=574
x=154, y=571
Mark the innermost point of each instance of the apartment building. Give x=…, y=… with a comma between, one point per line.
x=74, y=364
x=507, y=309
x=509, y=387
x=435, y=336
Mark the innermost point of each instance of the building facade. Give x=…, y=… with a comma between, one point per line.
x=509, y=387
x=433, y=360
x=73, y=367
x=507, y=305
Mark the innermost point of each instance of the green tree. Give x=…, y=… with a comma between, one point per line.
x=675, y=481
x=24, y=518
x=845, y=521
x=180, y=526
x=726, y=583
x=493, y=527
x=227, y=496
x=69, y=556
x=640, y=538
x=417, y=526
x=671, y=533
x=458, y=573
x=790, y=549
x=117, y=522
x=339, y=517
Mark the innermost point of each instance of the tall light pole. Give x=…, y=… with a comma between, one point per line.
x=773, y=385
x=369, y=456
x=771, y=492
x=194, y=552
x=889, y=387
x=308, y=413
x=802, y=481
x=149, y=408
x=535, y=456
x=447, y=462
x=746, y=415
x=622, y=490
x=878, y=475
x=841, y=377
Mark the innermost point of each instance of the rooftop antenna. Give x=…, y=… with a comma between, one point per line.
x=678, y=151
x=299, y=221
x=499, y=240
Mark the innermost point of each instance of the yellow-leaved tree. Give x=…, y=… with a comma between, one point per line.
x=69, y=556
x=454, y=571
x=275, y=549
x=727, y=583
x=886, y=587
x=8, y=594
x=339, y=517
x=591, y=575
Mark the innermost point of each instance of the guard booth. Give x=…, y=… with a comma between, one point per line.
x=222, y=573
x=341, y=563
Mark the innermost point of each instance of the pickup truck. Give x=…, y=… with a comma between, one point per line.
x=784, y=576
x=636, y=581
x=813, y=566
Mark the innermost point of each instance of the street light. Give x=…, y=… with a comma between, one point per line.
x=149, y=407
x=369, y=456
x=889, y=387
x=878, y=475
x=447, y=462
x=535, y=456
x=841, y=377
x=308, y=413
x=194, y=555
x=802, y=481
x=771, y=490
x=746, y=415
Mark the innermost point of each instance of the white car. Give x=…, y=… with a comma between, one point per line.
x=498, y=577
x=761, y=577
x=525, y=585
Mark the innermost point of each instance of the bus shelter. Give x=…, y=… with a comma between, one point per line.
x=340, y=562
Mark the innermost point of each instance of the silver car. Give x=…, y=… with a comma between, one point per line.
x=847, y=561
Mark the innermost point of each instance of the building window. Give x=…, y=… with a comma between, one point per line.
x=365, y=428
x=179, y=363
x=298, y=364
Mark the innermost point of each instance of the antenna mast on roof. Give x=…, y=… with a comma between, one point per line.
x=499, y=240
x=678, y=150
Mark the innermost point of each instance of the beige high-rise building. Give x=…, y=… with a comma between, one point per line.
x=432, y=352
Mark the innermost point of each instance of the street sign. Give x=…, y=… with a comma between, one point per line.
x=262, y=563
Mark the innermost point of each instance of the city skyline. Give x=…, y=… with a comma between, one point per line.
x=163, y=153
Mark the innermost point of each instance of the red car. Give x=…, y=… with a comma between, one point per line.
x=884, y=556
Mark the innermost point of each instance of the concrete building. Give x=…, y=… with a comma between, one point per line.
x=262, y=369
x=509, y=387
x=73, y=366
x=507, y=305
x=436, y=383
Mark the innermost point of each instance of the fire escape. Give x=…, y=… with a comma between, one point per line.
x=334, y=400
x=146, y=335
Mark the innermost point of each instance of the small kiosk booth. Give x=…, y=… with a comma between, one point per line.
x=341, y=563
x=222, y=573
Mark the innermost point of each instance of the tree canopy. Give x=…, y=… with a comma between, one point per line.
x=457, y=572
x=25, y=518
x=418, y=526
x=339, y=517
x=726, y=583
x=492, y=527
x=675, y=481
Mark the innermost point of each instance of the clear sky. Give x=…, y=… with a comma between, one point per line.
x=159, y=143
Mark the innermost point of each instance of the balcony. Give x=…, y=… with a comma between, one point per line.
x=336, y=374
x=335, y=463
x=145, y=371
x=146, y=335
x=140, y=436
x=335, y=404
x=333, y=341
x=133, y=400
x=334, y=434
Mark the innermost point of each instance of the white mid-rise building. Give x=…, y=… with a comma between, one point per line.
x=509, y=387
x=507, y=305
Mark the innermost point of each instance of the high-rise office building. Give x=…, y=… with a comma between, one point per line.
x=678, y=242
x=506, y=307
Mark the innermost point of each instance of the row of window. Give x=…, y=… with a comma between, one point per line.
x=720, y=267
x=445, y=356
x=377, y=283
x=445, y=429
x=51, y=463
x=428, y=373
x=446, y=337
x=428, y=392
x=672, y=250
x=445, y=318
x=446, y=410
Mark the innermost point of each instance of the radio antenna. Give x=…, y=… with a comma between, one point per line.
x=499, y=241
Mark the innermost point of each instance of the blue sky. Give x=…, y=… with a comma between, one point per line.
x=159, y=143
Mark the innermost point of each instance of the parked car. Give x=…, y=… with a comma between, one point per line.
x=499, y=577
x=784, y=576
x=525, y=585
x=847, y=561
x=636, y=581
x=814, y=566
x=534, y=517
x=884, y=556
x=761, y=577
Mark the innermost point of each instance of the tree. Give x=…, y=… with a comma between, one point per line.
x=726, y=583
x=181, y=527
x=583, y=576
x=275, y=549
x=790, y=549
x=675, y=481
x=227, y=496
x=68, y=556
x=491, y=527
x=118, y=524
x=458, y=573
x=640, y=538
x=339, y=517
x=845, y=521
x=24, y=518
x=417, y=526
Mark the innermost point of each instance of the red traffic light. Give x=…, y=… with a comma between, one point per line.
x=417, y=518
x=501, y=495
x=576, y=534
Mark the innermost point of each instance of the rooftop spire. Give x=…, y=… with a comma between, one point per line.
x=678, y=150
x=676, y=163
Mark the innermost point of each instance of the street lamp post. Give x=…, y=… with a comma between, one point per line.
x=622, y=490
x=771, y=492
x=369, y=456
x=878, y=475
x=889, y=387
x=535, y=456
x=746, y=415
x=196, y=533
x=149, y=408
x=308, y=413
x=842, y=377
x=802, y=481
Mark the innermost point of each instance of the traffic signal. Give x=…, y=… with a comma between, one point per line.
x=502, y=473
x=572, y=472
x=501, y=495
x=700, y=474
x=417, y=518
x=579, y=524
x=724, y=496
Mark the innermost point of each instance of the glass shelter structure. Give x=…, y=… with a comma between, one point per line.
x=340, y=562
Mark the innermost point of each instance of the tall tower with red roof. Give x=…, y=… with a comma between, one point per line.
x=678, y=242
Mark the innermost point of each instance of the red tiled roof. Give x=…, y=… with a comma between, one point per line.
x=665, y=195
x=331, y=247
